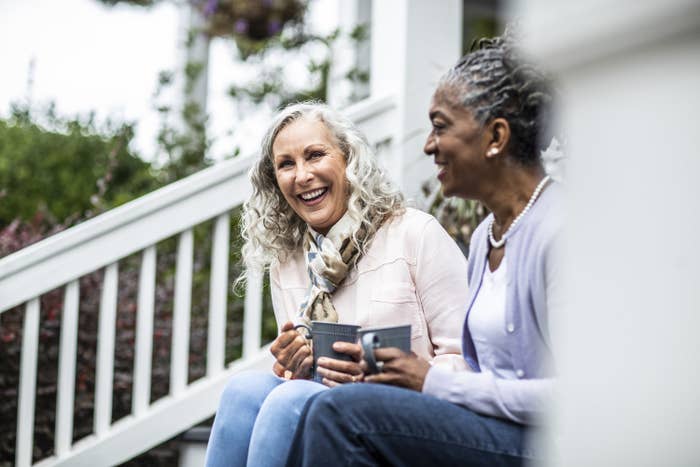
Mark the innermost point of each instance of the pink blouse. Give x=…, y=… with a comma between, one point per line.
x=412, y=273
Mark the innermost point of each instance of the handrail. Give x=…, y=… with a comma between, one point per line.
x=133, y=226
x=136, y=227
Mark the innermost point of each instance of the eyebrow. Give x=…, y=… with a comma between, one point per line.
x=437, y=113
x=307, y=149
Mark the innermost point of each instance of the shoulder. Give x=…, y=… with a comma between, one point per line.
x=404, y=235
x=479, y=235
x=547, y=217
x=413, y=224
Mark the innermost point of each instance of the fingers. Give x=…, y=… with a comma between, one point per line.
x=278, y=369
x=340, y=366
x=303, y=371
x=386, y=354
x=338, y=371
x=349, y=348
x=286, y=347
x=295, y=361
x=408, y=371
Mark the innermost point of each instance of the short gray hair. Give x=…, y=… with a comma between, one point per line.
x=493, y=81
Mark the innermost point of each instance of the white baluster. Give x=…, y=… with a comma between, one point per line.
x=179, y=356
x=144, y=333
x=105, y=350
x=27, y=385
x=217, y=295
x=66, y=369
x=252, y=314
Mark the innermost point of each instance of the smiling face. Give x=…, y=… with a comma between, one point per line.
x=310, y=171
x=458, y=143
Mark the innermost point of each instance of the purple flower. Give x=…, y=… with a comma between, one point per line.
x=241, y=26
x=211, y=6
x=273, y=27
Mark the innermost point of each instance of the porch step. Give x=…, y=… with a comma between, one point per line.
x=193, y=446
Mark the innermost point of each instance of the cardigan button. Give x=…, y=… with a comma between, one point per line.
x=510, y=327
x=519, y=373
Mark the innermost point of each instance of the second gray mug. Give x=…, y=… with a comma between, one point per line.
x=386, y=336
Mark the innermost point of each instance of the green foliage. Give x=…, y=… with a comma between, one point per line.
x=270, y=83
x=67, y=172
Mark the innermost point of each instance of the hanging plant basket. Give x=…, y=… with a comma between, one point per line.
x=250, y=20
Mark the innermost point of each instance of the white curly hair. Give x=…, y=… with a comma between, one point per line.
x=271, y=230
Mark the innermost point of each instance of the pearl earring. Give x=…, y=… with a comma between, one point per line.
x=492, y=152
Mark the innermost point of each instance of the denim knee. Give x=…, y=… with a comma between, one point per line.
x=291, y=396
x=250, y=386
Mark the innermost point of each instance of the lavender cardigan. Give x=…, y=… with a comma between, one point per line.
x=533, y=285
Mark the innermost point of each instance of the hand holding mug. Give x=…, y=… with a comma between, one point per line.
x=406, y=370
x=292, y=353
x=335, y=372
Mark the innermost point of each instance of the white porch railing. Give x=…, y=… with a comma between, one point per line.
x=100, y=243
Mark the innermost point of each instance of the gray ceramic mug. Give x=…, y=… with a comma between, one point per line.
x=323, y=335
x=380, y=337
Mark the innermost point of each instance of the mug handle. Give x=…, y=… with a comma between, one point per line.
x=308, y=334
x=370, y=341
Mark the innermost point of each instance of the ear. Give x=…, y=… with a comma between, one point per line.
x=497, y=136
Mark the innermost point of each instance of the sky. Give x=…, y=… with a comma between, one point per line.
x=89, y=57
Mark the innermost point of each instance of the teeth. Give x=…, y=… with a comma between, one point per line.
x=312, y=194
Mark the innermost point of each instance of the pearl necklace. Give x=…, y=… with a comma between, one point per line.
x=499, y=243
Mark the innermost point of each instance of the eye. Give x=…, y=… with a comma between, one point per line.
x=437, y=126
x=284, y=164
x=316, y=154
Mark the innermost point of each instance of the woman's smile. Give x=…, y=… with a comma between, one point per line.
x=313, y=197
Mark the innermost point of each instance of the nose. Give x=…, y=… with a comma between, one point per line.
x=430, y=145
x=303, y=175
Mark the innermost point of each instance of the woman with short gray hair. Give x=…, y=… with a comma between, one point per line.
x=340, y=246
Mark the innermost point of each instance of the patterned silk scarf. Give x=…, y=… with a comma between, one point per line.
x=328, y=260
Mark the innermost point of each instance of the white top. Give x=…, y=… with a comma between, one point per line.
x=412, y=273
x=487, y=323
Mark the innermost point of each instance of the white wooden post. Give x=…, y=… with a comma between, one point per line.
x=627, y=347
x=348, y=56
x=143, y=351
x=413, y=43
x=179, y=356
x=252, y=314
x=105, y=350
x=195, y=53
x=66, y=369
x=216, y=337
x=27, y=385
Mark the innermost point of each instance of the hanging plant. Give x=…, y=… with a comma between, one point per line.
x=250, y=22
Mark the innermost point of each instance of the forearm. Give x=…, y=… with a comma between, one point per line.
x=522, y=401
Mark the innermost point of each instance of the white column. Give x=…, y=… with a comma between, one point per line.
x=348, y=55
x=413, y=43
x=627, y=348
x=194, y=44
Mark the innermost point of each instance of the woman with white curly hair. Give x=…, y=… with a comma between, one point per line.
x=340, y=246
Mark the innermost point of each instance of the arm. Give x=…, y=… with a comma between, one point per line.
x=441, y=287
x=522, y=401
x=292, y=353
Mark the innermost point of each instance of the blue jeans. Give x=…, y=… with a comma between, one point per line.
x=256, y=419
x=371, y=424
